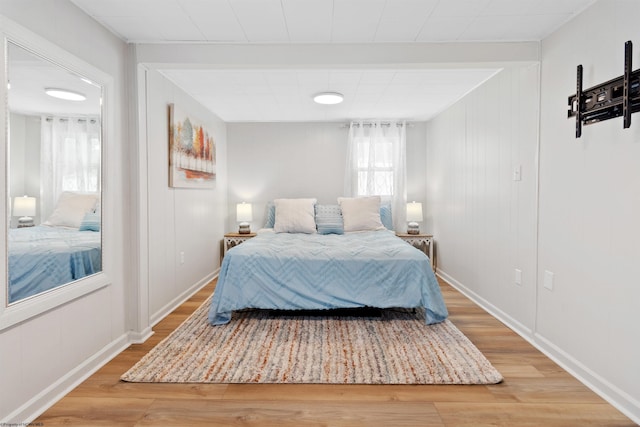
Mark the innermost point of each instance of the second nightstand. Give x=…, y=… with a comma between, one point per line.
x=424, y=242
x=234, y=239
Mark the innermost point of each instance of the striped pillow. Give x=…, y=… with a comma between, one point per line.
x=329, y=219
x=271, y=215
x=385, y=215
x=90, y=222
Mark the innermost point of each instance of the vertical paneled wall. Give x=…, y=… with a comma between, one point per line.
x=589, y=210
x=481, y=163
x=185, y=224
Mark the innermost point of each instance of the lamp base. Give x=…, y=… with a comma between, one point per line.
x=25, y=221
x=244, y=228
x=413, y=228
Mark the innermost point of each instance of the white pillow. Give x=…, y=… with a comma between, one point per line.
x=71, y=209
x=295, y=216
x=361, y=213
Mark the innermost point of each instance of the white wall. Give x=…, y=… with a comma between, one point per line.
x=588, y=203
x=181, y=221
x=589, y=210
x=45, y=355
x=271, y=160
x=25, y=160
x=484, y=222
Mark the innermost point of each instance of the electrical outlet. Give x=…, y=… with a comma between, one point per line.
x=548, y=280
x=518, y=277
x=181, y=257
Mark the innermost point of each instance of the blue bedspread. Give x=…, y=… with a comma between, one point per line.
x=42, y=258
x=300, y=271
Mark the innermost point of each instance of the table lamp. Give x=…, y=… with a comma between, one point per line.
x=244, y=216
x=25, y=208
x=414, y=215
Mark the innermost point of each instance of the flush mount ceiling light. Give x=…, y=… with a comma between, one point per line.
x=65, y=94
x=328, y=98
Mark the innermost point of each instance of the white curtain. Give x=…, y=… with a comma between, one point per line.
x=69, y=158
x=376, y=164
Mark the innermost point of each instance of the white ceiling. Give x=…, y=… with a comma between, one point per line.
x=285, y=95
x=331, y=21
x=28, y=77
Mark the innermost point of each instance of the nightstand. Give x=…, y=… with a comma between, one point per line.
x=424, y=242
x=234, y=239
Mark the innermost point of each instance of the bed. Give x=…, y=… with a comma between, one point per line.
x=43, y=257
x=310, y=271
x=64, y=248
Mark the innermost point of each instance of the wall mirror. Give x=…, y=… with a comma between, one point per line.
x=54, y=176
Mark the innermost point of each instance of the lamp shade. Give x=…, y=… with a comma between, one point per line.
x=24, y=206
x=414, y=212
x=244, y=212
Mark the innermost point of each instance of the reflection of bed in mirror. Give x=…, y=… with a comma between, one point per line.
x=54, y=158
x=44, y=257
x=65, y=248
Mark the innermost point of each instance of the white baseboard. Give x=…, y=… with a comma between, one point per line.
x=140, y=337
x=619, y=399
x=509, y=321
x=622, y=401
x=37, y=405
x=175, y=303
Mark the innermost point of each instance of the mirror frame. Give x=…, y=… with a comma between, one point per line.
x=11, y=32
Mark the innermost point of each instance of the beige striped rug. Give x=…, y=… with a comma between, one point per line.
x=258, y=347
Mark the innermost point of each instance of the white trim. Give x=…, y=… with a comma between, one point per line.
x=136, y=337
x=173, y=304
x=622, y=401
x=37, y=405
x=509, y=321
x=28, y=308
x=139, y=199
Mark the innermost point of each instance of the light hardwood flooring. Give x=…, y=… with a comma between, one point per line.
x=535, y=391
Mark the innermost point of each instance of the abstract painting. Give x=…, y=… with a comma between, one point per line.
x=192, y=152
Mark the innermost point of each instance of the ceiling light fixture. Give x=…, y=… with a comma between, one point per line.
x=328, y=98
x=65, y=94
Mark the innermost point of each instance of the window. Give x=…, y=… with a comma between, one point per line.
x=70, y=155
x=374, y=167
x=376, y=161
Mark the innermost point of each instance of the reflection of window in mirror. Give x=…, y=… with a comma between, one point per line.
x=54, y=235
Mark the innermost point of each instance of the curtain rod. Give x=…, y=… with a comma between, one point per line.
x=370, y=123
x=65, y=119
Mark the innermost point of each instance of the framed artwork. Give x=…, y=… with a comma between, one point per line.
x=192, y=152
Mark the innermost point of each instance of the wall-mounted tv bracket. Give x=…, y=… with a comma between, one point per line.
x=615, y=98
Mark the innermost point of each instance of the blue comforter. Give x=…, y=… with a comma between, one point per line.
x=42, y=258
x=302, y=271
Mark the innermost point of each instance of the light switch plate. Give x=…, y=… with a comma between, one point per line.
x=548, y=280
x=517, y=173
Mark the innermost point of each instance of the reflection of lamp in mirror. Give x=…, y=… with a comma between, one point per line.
x=25, y=208
x=244, y=215
x=414, y=215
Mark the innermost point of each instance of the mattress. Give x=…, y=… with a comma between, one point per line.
x=42, y=258
x=294, y=271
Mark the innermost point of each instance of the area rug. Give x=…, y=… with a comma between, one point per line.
x=260, y=347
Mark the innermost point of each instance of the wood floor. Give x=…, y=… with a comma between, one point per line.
x=535, y=392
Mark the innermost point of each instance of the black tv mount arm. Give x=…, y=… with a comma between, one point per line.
x=615, y=98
